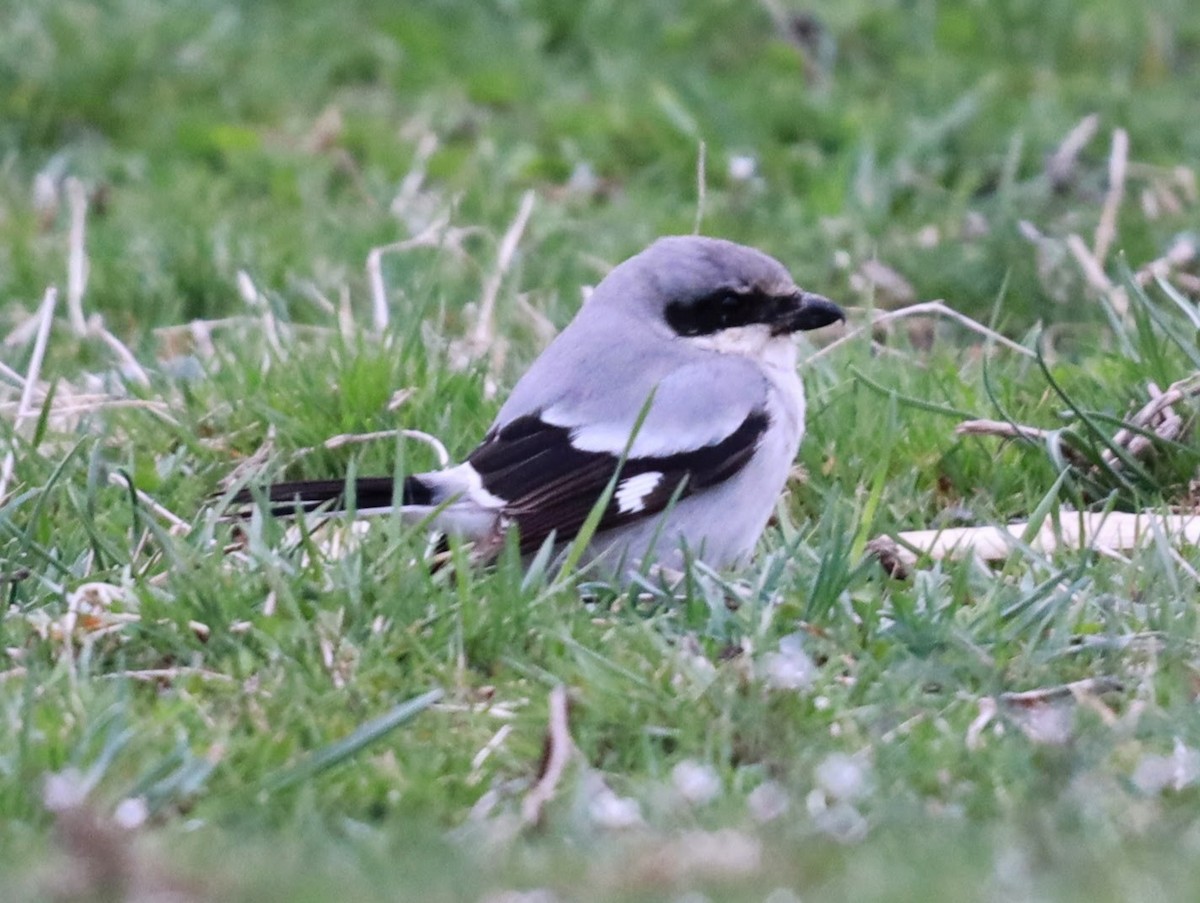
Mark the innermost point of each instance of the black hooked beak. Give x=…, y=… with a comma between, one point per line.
x=804, y=311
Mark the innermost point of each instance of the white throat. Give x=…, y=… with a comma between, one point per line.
x=756, y=342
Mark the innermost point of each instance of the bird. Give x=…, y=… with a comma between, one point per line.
x=672, y=396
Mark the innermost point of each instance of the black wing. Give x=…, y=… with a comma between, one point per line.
x=549, y=485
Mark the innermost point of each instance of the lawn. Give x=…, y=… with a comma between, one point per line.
x=262, y=239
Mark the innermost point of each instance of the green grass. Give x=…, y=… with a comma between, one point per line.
x=274, y=755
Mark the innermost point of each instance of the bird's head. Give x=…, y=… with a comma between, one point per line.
x=719, y=294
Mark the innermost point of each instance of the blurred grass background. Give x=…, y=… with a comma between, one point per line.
x=887, y=152
x=200, y=125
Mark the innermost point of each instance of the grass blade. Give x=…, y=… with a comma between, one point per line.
x=364, y=735
x=920, y=404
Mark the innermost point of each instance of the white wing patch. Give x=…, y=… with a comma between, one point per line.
x=475, y=490
x=632, y=492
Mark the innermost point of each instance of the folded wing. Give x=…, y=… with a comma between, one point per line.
x=701, y=426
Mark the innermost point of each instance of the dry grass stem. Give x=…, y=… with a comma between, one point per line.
x=1075, y=530
x=166, y=674
x=343, y=439
x=1089, y=265
x=1007, y=430
x=701, y=186
x=25, y=406
x=483, y=336
x=201, y=331
x=925, y=308
x=247, y=468
x=559, y=747
x=1060, y=166
x=318, y=299
x=90, y=403
x=500, y=711
x=987, y=712
x=875, y=279
x=477, y=762
x=1093, y=273
x=410, y=186
x=77, y=277
x=12, y=375
x=1157, y=417
x=177, y=523
x=778, y=14
x=208, y=325
x=431, y=237
x=77, y=262
x=1188, y=283
x=13, y=673
x=1183, y=565
x=543, y=327
x=1044, y=714
x=345, y=313
x=24, y=332
x=1106, y=229
x=1088, y=686
x=1180, y=254
x=1003, y=429
x=254, y=299
x=130, y=368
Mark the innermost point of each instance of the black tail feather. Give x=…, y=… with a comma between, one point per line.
x=331, y=495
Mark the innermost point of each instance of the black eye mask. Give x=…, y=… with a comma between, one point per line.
x=729, y=308
x=723, y=309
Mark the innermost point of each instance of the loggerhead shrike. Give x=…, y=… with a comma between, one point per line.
x=694, y=337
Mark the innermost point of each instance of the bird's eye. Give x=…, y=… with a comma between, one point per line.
x=733, y=309
x=710, y=314
x=729, y=308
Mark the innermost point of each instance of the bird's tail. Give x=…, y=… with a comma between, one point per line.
x=371, y=495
